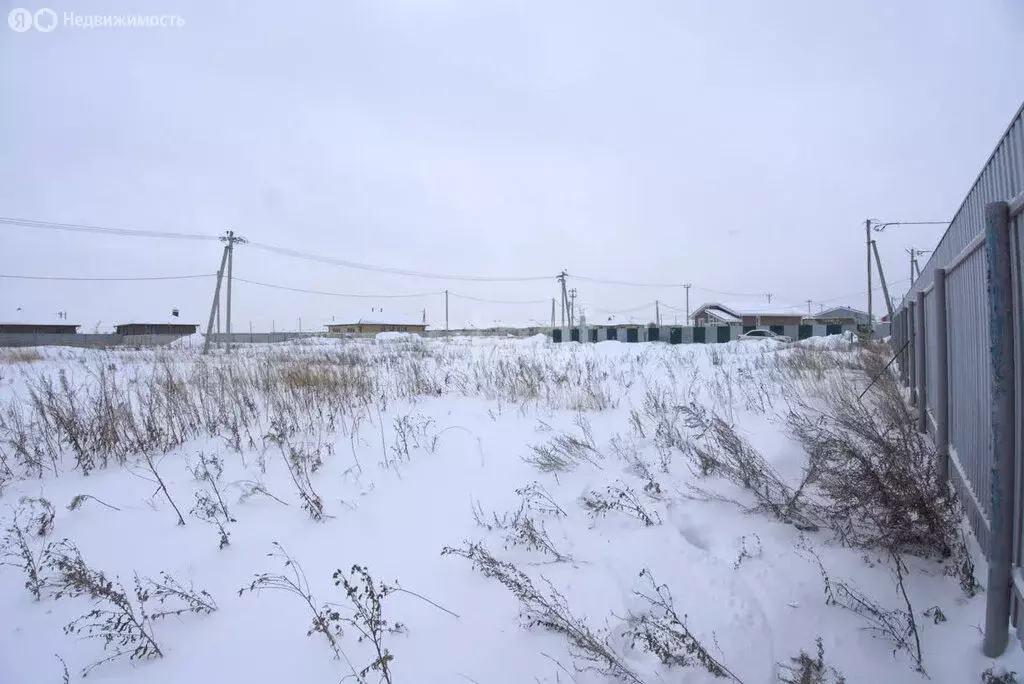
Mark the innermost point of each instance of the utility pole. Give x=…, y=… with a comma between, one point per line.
x=808, y=308
x=230, y=239
x=657, y=314
x=867, y=233
x=552, y=313
x=769, y=295
x=915, y=269
x=881, y=277
x=687, y=286
x=572, y=307
x=878, y=228
x=215, y=306
x=565, y=296
x=446, y=312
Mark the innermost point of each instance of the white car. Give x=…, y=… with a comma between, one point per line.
x=764, y=334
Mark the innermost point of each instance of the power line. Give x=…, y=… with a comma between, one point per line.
x=499, y=301
x=338, y=294
x=858, y=294
x=624, y=311
x=623, y=283
x=626, y=283
x=104, y=230
x=394, y=271
x=125, y=279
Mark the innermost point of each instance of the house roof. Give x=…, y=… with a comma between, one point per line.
x=834, y=309
x=49, y=324
x=381, y=321
x=734, y=311
x=19, y=316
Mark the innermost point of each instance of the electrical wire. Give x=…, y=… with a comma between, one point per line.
x=124, y=279
x=861, y=293
x=498, y=301
x=624, y=311
x=332, y=261
x=337, y=294
x=81, y=228
x=625, y=283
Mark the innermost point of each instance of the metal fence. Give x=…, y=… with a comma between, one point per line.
x=676, y=334
x=958, y=333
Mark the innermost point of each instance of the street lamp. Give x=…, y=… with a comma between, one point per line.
x=878, y=227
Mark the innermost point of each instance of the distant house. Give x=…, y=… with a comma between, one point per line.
x=39, y=328
x=841, y=315
x=716, y=313
x=377, y=326
x=156, y=329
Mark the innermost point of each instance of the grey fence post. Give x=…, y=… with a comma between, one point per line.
x=908, y=358
x=912, y=315
x=941, y=376
x=920, y=340
x=1001, y=455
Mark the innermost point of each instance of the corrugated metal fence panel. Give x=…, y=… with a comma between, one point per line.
x=969, y=383
x=930, y=359
x=1000, y=180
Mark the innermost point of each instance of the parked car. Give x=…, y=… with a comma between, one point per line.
x=764, y=334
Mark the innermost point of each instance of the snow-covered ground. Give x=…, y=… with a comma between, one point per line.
x=403, y=448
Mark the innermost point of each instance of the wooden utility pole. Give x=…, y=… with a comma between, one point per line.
x=552, y=313
x=867, y=233
x=230, y=239
x=572, y=307
x=687, y=286
x=881, y=277
x=565, y=296
x=657, y=313
x=215, y=306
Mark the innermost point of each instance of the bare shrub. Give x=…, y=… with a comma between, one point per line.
x=13, y=356
x=754, y=551
x=549, y=610
x=364, y=613
x=805, y=669
x=717, y=449
x=123, y=625
x=661, y=632
x=521, y=530
x=65, y=675
x=538, y=499
x=78, y=500
x=161, y=485
x=326, y=619
x=620, y=497
x=897, y=625
x=209, y=503
x=990, y=676
x=302, y=463
x=18, y=550
x=565, y=452
x=251, y=488
x=367, y=599
x=877, y=475
x=630, y=455
x=40, y=513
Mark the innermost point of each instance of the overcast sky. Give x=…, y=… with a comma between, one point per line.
x=738, y=146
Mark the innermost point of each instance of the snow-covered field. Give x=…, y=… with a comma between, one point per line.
x=435, y=466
